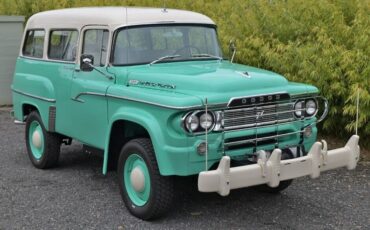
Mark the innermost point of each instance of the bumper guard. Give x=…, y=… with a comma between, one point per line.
x=273, y=170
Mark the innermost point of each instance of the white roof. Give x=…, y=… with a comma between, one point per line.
x=113, y=17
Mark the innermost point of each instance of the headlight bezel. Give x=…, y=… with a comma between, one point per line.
x=188, y=120
x=315, y=108
x=303, y=108
x=198, y=114
x=210, y=116
x=298, y=111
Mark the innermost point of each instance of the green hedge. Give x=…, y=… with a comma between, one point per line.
x=325, y=43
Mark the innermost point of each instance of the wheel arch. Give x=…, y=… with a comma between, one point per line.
x=27, y=108
x=142, y=125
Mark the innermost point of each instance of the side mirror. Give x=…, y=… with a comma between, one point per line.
x=232, y=49
x=87, y=62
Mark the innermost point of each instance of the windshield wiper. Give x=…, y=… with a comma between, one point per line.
x=164, y=58
x=206, y=55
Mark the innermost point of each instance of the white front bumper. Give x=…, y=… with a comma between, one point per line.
x=274, y=170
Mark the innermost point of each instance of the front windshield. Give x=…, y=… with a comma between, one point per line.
x=142, y=45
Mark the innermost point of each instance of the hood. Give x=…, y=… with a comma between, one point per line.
x=216, y=81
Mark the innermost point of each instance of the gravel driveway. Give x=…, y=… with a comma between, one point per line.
x=75, y=195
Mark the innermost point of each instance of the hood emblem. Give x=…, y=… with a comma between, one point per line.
x=244, y=74
x=151, y=84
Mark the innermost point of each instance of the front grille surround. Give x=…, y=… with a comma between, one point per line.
x=257, y=116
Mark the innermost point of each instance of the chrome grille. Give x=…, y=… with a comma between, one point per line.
x=258, y=116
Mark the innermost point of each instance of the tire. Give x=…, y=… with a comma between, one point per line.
x=286, y=154
x=153, y=195
x=43, y=147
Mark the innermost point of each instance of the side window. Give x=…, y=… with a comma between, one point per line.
x=63, y=45
x=95, y=43
x=34, y=43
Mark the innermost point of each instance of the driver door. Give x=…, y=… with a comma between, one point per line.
x=88, y=89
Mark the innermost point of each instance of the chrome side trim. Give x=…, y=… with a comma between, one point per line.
x=18, y=122
x=155, y=104
x=34, y=96
x=76, y=98
x=219, y=105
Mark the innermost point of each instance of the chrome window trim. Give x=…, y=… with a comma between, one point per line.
x=47, y=60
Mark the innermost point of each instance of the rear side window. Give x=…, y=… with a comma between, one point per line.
x=34, y=43
x=63, y=45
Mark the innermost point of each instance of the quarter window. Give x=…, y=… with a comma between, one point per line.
x=95, y=43
x=63, y=45
x=34, y=43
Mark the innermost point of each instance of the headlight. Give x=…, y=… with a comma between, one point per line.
x=192, y=122
x=311, y=107
x=199, y=121
x=206, y=121
x=298, y=108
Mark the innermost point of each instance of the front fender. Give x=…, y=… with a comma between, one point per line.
x=146, y=120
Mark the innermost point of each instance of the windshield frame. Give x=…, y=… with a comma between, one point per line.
x=116, y=32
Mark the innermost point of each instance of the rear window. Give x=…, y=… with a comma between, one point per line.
x=34, y=43
x=63, y=45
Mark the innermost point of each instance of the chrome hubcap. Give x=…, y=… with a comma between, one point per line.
x=36, y=139
x=137, y=179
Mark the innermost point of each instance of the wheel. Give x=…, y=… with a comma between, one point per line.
x=146, y=194
x=286, y=154
x=43, y=147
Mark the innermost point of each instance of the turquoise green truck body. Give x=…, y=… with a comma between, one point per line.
x=113, y=103
x=87, y=105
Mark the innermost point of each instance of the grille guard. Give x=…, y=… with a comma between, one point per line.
x=277, y=134
x=277, y=112
x=273, y=170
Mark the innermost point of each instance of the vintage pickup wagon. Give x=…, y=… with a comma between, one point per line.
x=151, y=90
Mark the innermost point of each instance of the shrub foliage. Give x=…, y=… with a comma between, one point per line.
x=325, y=43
